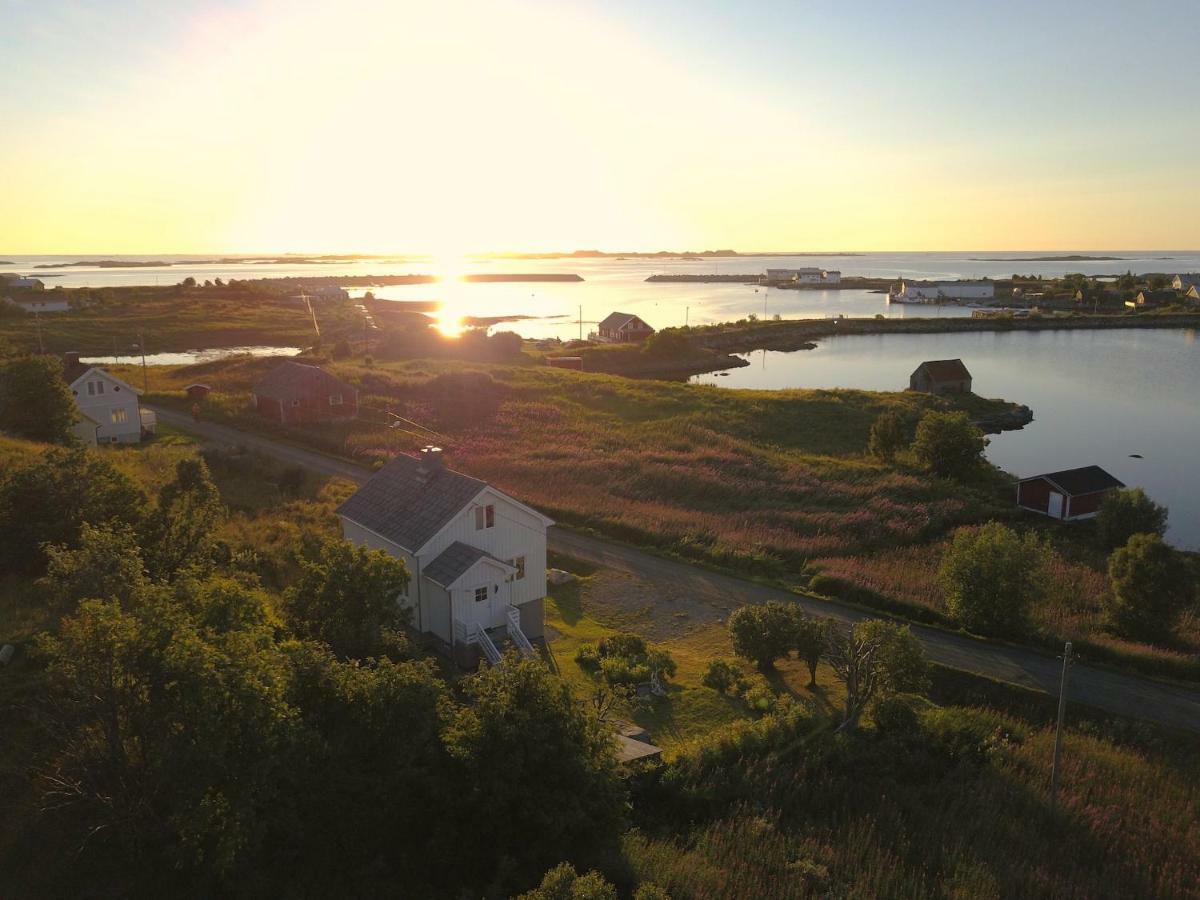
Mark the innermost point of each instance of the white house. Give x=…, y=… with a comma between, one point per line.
x=476, y=557
x=108, y=407
x=1184, y=282
x=934, y=291
x=21, y=281
x=42, y=303
x=805, y=275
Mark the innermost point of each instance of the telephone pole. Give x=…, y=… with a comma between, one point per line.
x=1062, y=709
x=142, y=347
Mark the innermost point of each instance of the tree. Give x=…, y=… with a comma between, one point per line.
x=348, y=598
x=168, y=743
x=874, y=660
x=1125, y=513
x=47, y=501
x=887, y=436
x=542, y=772
x=564, y=883
x=35, y=401
x=106, y=565
x=991, y=576
x=179, y=534
x=947, y=444
x=762, y=632
x=810, y=637
x=1150, y=586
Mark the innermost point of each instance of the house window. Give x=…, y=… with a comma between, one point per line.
x=485, y=517
x=120, y=415
x=95, y=387
x=519, y=563
x=335, y=399
x=480, y=594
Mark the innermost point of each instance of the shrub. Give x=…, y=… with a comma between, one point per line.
x=721, y=675
x=1126, y=513
x=588, y=657
x=667, y=343
x=991, y=576
x=887, y=436
x=1150, y=587
x=895, y=716
x=35, y=400
x=947, y=444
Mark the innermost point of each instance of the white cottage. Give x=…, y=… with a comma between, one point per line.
x=476, y=557
x=109, y=412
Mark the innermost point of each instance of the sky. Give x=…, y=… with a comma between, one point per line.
x=447, y=127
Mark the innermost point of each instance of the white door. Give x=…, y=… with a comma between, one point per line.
x=1056, y=505
x=480, y=598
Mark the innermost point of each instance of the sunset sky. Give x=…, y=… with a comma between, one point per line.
x=447, y=127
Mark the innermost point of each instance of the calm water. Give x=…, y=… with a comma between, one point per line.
x=1097, y=397
x=189, y=357
x=614, y=284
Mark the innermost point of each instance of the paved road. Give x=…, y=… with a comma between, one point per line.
x=1126, y=695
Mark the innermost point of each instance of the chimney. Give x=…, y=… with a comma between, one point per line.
x=71, y=358
x=430, y=465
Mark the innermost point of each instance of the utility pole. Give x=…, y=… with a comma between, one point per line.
x=142, y=347
x=37, y=319
x=1062, y=709
x=687, y=311
x=581, y=321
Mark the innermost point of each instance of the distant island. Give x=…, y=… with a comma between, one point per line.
x=105, y=264
x=658, y=254
x=1074, y=257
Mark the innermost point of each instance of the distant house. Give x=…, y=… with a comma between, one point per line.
x=940, y=376
x=41, y=304
x=1067, y=496
x=1183, y=282
x=805, y=275
x=935, y=291
x=293, y=393
x=197, y=392
x=108, y=407
x=1193, y=293
x=1151, y=299
x=477, y=557
x=21, y=281
x=623, y=328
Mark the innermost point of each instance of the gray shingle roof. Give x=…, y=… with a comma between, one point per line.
x=295, y=381
x=945, y=369
x=453, y=562
x=618, y=320
x=398, y=504
x=1086, y=480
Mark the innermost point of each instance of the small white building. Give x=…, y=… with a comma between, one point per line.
x=109, y=411
x=42, y=303
x=808, y=275
x=1184, y=282
x=21, y=281
x=938, y=291
x=476, y=557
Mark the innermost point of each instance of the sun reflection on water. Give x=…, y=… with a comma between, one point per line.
x=449, y=269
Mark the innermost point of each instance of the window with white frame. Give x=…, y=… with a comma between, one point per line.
x=120, y=415
x=335, y=399
x=485, y=517
x=481, y=594
x=95, y=387
x=519, y=563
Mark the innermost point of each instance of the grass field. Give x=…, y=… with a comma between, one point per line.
x=773, y=484
x=108, y=321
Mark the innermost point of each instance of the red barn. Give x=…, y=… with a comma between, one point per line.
x=941, y=376
x=1067, y=496
x=293, y=393
x=624, y=328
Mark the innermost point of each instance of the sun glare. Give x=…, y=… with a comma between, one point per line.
x=449, y=269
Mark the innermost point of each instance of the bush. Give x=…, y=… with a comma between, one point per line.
x=887, y=436
x=35, y=400
x=947, y=444
x=721, y=675
x=1126, y=513
x=1150, y=587
x=896, y=716
x=991, y=576
x=667, y=343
